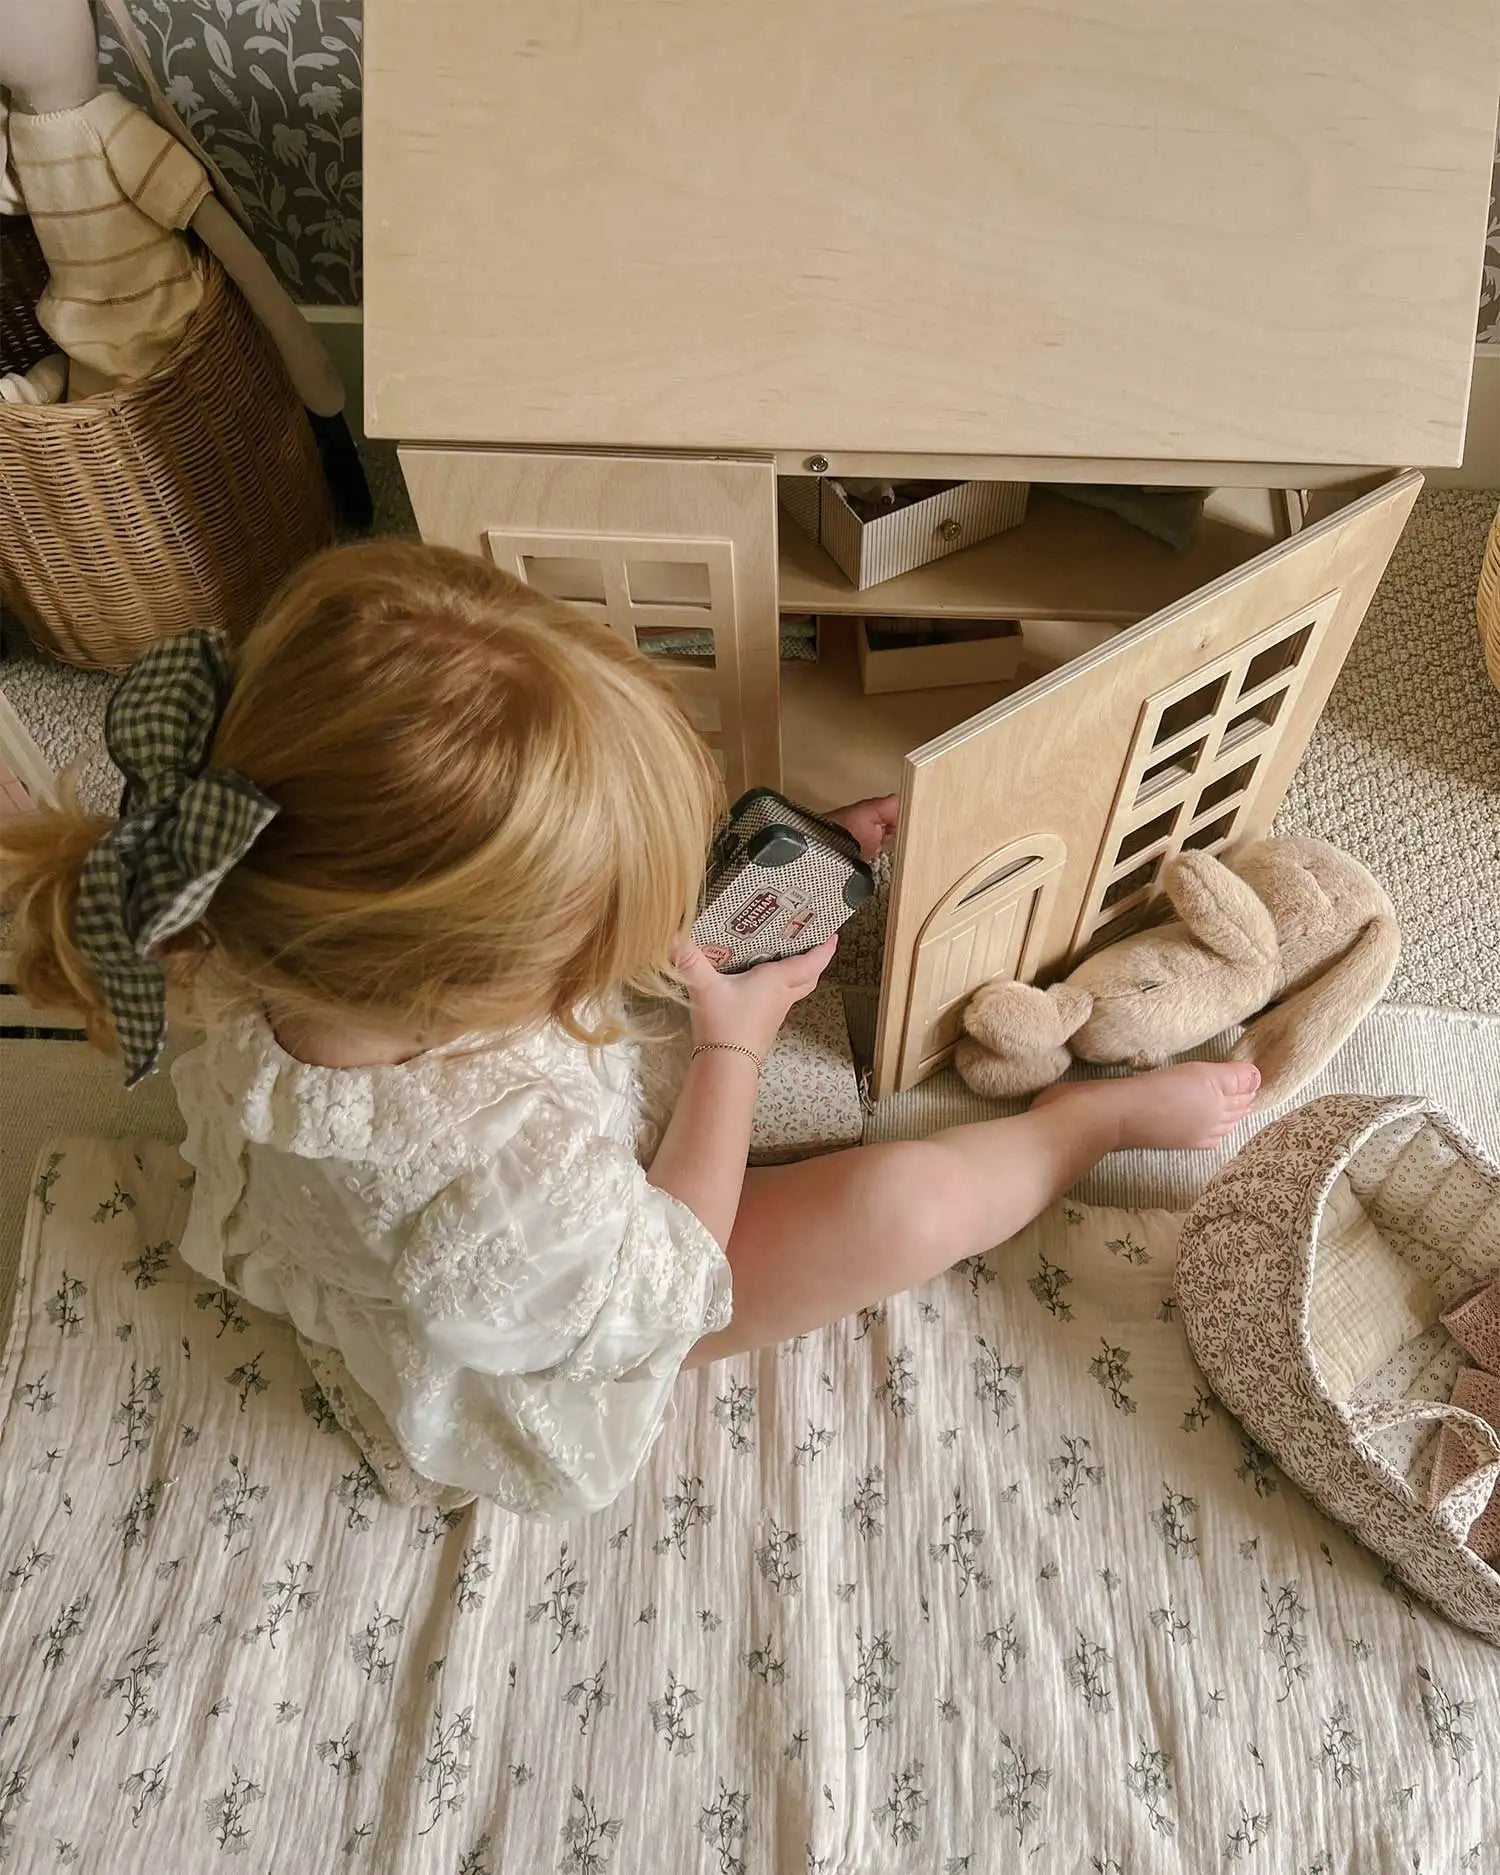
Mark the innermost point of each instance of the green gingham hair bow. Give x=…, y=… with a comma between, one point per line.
x=182, y=826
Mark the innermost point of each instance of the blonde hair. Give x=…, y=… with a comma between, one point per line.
x=492, y=812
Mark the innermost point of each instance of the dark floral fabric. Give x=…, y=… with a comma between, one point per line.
x=272, y=89
x=1489, y=292
x=982, y=1579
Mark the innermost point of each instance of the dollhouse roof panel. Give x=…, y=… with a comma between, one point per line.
x=1186, y=230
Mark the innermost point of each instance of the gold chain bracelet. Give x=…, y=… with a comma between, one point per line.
x=727, y=1048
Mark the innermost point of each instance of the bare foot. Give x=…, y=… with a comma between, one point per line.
x=1192, y=1105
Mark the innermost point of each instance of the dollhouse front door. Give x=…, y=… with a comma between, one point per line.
x=1040, y=827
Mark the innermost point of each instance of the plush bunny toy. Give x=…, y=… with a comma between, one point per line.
x=1294, y=924
x=110, y=193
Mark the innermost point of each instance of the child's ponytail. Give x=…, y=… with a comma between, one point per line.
x=41, y=860
x=419, y=795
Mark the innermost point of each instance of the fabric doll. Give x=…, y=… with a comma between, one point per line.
x=110, y=194
x=12, y=202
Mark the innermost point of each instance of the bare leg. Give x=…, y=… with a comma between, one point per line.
x=818, y=1240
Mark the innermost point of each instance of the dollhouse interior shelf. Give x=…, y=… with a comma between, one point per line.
x=1073, y=576
x=840, y=745
x=1063, y=562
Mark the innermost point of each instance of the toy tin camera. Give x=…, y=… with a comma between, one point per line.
x=780, y=881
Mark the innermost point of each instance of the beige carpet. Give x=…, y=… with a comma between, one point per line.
x=1404, y=768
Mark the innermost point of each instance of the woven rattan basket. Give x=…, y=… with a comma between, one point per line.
x=183, y=499
x=1487, y=603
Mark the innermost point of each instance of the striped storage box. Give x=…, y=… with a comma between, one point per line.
x=954, y=516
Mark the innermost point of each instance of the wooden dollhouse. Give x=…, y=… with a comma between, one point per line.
x=626, y=273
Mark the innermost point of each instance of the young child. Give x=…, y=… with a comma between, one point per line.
x=416, y=843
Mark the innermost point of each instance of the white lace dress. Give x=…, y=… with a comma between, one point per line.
x=473, y=1235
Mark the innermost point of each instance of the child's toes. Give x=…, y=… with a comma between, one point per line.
x=1215, y=1138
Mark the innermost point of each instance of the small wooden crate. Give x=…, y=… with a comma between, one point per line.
x=950, y=519
x=991, y=659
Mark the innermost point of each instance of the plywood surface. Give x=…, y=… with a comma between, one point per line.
x=1063, y=561
x=1178, y=229
x=618, y=534
x=838, y=745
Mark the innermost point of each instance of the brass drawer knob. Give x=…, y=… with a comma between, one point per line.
x=949, y=529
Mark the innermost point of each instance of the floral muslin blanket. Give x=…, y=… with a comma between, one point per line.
x=980, y=1580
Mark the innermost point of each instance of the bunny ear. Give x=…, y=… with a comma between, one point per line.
x=1295, y=1038
x=1220, y=910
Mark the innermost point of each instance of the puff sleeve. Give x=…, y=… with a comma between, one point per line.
x=550, y=1296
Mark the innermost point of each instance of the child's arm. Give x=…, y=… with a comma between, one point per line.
x=702, y=1156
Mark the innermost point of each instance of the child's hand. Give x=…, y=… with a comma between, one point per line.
x=747, y=1011
x=873, y=823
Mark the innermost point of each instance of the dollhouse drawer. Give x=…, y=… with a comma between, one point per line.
x=956, y=515
x=911, y=654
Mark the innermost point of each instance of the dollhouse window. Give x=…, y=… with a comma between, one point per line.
x=672, y=598
x=1195, y=767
